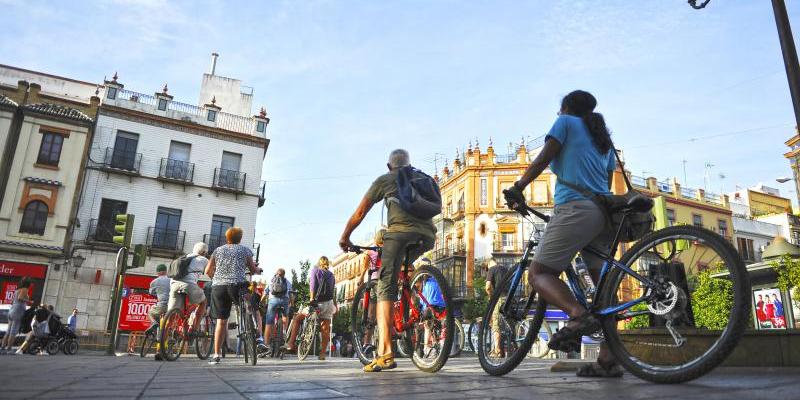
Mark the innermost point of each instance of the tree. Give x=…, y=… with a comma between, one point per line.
x=301, y=285
x=712, y=301
x=788, y=270
x=475, y=307
x=341, y=321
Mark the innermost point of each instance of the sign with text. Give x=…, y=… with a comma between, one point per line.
x=20, y=269
x=8, y=292
x=133, y=313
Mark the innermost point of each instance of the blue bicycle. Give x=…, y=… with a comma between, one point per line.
x=658, y=319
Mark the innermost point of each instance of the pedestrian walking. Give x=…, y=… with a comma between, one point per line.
x=16, y=312
x=72, y=320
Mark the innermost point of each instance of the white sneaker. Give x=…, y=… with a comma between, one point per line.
x=214, y=360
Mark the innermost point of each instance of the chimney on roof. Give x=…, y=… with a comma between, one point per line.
x=214, y=62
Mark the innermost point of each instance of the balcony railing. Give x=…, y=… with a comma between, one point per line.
x=689, y=193
x=498, y=247
x=213, y=241
x=223, y=120
x=712, y=198
x=505, y=158
x=100, y=231
x=638, y=181
x=229, y=180
x=261, y=198
x=457, y=249
x=123, y=161
x=176, y=170
x=165, y=239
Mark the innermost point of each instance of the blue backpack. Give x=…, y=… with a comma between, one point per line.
x=418, y=193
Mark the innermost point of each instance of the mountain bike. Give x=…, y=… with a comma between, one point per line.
x=459, y=338
x=177, y=332
x=310, y=335
x=279, y=334
x=246, y=325
x=650, y=302
x=412, y=325
x=150, y=340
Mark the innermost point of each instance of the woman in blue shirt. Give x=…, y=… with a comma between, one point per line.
x=579, y=151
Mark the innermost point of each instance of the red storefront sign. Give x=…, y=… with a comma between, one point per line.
x=136, y=303
x=20, y=269
x=8, y=292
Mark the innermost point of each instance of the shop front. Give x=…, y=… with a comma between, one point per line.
x=11, y=272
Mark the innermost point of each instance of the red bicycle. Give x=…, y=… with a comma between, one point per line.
x=423, y=319
x=177, y=332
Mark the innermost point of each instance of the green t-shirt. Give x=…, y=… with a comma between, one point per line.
x=399, y=220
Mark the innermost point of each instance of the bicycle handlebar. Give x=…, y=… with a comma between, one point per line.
x=359, y=249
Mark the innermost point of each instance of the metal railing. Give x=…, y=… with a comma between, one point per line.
x=100, y=232
x=176, y=170
x=223, y=120
x=499, y=247
x=165, y=239
x=261, y=196
x=689, y=193
x=213, y=241
x=505, y=158
x=122, y=160
x=229, y=180
x=457, y=249
x=712, y=198
x=638, y=181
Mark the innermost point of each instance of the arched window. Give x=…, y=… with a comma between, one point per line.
x=34, y=218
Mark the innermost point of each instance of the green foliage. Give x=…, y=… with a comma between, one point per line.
x=639, y=321
x=475, y=307
x=712, y=301
x=300, y=284
x=341, y=321
x=788, y=270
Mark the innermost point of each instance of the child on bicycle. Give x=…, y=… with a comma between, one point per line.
x=579, y=151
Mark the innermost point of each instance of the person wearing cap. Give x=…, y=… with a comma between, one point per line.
x=494, y=278
x=159, y=287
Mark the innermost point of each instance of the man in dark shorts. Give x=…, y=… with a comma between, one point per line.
x=404, y=229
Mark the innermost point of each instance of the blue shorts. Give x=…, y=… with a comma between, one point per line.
x=272, y=305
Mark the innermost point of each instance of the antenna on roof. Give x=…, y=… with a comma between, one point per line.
x=214, y=57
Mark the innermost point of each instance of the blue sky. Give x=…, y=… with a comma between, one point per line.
x=345, y=82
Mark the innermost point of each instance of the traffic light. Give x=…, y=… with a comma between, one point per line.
x=123, y=229
x=139, y=256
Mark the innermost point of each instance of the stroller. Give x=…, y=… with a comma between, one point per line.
x=57, y=337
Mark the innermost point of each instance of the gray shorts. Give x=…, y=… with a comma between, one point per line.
x=195, y=292
x=572, y=227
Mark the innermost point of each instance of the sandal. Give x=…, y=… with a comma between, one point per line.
x=382, y=363
x=596, y=370
x=568, y=338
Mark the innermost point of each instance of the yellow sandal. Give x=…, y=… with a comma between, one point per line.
x=381, y=363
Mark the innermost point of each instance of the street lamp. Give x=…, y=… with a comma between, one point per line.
x=77, y=261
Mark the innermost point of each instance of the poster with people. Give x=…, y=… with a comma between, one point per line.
x=770, y=312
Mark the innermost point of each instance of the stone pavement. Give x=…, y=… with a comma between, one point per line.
x=95, y=376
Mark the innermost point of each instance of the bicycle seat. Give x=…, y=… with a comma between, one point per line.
x=639, y=203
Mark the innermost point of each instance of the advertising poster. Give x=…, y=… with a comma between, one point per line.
x=8, y=292
x=133, y=313
x=770, y=311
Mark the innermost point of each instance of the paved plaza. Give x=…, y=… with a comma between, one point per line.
x=127, y=377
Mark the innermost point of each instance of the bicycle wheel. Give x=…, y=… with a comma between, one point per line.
x=250, y=335
x=364, y=327
x=173, y=335
x=148, y=341
x=504, y=340
x=433, y=328
x=458, y=339
x=694, y=316
x=204, y=338
x=308, y=335
x=472, y=334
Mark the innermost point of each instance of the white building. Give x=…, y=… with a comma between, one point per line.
x=753, y=236
x=186, y=172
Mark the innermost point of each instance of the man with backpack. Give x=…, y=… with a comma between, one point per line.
x=279, y=295
x=184, y=274
x=412, y=199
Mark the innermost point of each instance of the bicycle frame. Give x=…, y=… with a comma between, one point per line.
x=609, y=263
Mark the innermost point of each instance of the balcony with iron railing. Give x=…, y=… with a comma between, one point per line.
x=506, y=158
x=499, y=247
x=213, y=241
x=183, y=111
x=229, y=180
x=176, y=171
x=454, y=249
x=261, y=194
x=166, y=239
x=100, y=231
x=458, y=213
x=124, y=162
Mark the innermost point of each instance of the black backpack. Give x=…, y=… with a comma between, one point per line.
x=418, y=193
x=325, y=290
x=179, y=267
x=278, y=286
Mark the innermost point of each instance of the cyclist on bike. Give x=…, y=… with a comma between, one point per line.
x=404, y=229
x=579, y=151
x=494, y=277
x=279, y=295
x=188, y=284
x=227, y=269
x=159, y=287
x=374, y=260
x=322, y=285
x=433, y=294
